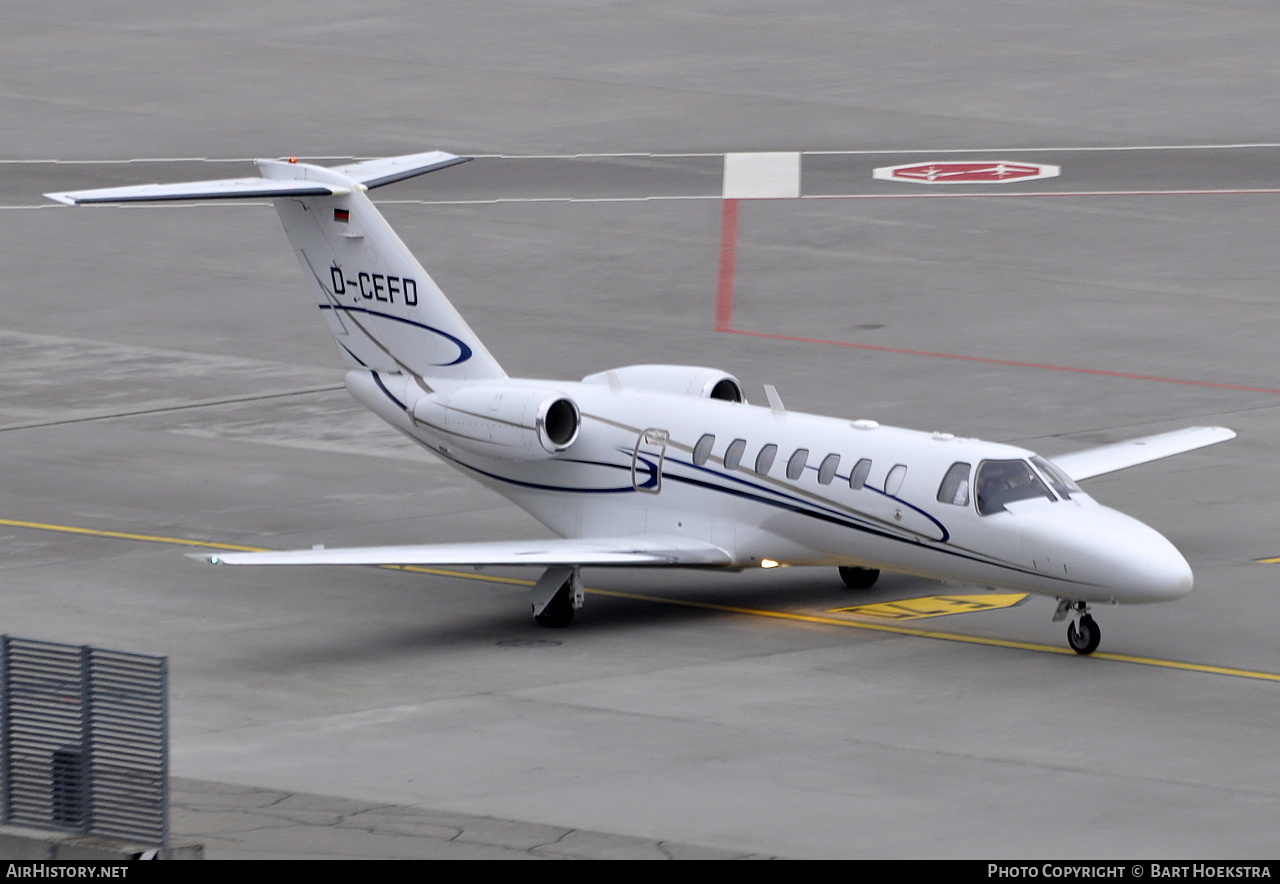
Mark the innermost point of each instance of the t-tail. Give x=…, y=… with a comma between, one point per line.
x=385, y=312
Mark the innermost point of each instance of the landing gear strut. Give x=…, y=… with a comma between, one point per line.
x=556, y=595
x=859, y=578
x=1083, y=633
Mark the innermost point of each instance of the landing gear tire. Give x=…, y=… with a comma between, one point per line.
x=559, y=613
x=859, y=578
x=1084, y=635
x=556, y=595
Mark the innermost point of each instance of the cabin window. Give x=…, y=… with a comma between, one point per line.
x=955, y=485
x=827, y=472
x=795, y=466
x=1061, y=482
x=733, y=454
x=893, y=481
x=764, y=460
x=702, y=450
x=1002, y=482
x=858, y=477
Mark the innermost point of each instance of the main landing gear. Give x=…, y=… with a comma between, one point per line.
x=556, y=595
x=859, y=578
x=1083, y=634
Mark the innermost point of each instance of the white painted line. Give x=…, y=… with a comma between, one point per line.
x=641, y=154
x=495, y=201
x=236, y=204
x=549, y=199
x=841, y=153
x=55, y=162
x=761, y=176
x=1029, y=193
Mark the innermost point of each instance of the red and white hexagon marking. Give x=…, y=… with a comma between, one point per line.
x=967, y=172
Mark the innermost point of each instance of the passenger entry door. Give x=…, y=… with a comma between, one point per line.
x=647, y=460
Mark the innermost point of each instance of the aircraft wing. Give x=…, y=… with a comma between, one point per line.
x=1109, y=458
x=635, y=550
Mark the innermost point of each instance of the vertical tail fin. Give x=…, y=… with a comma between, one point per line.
x=383, y=309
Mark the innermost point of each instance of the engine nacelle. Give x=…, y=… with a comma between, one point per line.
x=512, y=423
x=687, y=380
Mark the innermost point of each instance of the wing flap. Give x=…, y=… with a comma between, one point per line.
x=638, y=550
x=1109, y=458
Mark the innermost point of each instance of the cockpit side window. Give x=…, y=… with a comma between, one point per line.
x=1061, y=482
x=955, y=485
x=1002, y=482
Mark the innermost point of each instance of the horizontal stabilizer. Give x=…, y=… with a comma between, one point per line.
x=605, y=551
x=375, y=173
x=291, y=179
x=1109, y=458
x=224, y=189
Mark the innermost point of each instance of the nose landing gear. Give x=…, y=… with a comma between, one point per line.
x=1083, y=634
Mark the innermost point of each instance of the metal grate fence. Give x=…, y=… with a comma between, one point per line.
x=85, y=738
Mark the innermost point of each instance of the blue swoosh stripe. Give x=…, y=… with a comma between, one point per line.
x=377, y=379
x=796, y=500
x=363, y=364
x=464, y=352
x=798, y=508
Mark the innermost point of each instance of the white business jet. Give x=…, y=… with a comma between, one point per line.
x=668, y=465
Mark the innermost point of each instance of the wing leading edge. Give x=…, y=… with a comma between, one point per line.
x=605, y=551
x=1109, y=458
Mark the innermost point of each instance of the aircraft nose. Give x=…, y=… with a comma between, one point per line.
x=1130, y=561
x=1150, y=569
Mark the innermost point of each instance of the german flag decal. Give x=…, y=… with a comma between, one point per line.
x=342, y=216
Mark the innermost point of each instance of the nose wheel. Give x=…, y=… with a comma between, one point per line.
x=1083, y=634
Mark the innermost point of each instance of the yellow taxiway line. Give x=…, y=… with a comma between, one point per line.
x=706, y=606
x=948, y=636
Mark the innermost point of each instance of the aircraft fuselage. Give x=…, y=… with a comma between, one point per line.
x=662, y=463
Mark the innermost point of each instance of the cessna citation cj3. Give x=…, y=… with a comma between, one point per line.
x=668, y=465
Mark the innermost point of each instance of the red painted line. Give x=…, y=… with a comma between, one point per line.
x=1011, y=362
x=724, y=311
x=728, y=252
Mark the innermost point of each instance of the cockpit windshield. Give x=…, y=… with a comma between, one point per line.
x=1060, y=481
x=1002, y=482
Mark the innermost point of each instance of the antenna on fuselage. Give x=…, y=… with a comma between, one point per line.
x=775, y=401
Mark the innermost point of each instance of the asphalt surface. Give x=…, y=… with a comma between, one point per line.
x=164, y=387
